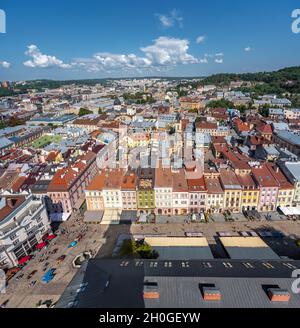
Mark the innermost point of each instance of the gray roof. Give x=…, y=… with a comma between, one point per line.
x=276, y=111
x=5, y=142
x=120, y=283
x=290, y=137
x=184, y=253
x=294, y=168
x=271, y=150
x=258, y=253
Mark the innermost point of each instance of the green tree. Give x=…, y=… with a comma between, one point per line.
x=84, y=111
x=222, y=103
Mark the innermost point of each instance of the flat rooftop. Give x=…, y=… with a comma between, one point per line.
x=176, y=248
x=247, y=248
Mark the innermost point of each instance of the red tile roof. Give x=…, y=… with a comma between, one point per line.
x=279, y=176
x=65, y=178
x=264, y=177
x=196, y=185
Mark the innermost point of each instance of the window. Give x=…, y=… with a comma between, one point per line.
x=13, y=236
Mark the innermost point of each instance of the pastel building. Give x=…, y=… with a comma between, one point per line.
x=197, y=195
x=292, y=171
x=268, y=187
x=215, y=195
x=112, y=194
x=128, y=191
x=286, y=190
x=145, y=191
x=250, y=192
x=180, y=197
x=163, y=187
x=232, y=190
x=66, y=189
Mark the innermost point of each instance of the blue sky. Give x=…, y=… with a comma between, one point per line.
x=118, y=38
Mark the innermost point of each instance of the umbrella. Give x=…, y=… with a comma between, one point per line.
x=24, y=259
x=50, y=237
x=41, y=245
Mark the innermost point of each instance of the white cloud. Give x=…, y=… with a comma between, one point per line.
x=247, y=49
x=164, y=53
x=169, y=51
x=40, y=60
x=219, y=61
x=203, y=61
x=200, y=39
x=5, y=64
x=171, y=19
x=220, y=54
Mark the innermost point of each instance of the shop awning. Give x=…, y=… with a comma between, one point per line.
x=24, y=259
x=41, y=245
x=50, y=237
x=289, y=211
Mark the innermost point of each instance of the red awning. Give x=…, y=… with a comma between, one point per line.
x=50, y=237
x=41, y=245
x=24, y=259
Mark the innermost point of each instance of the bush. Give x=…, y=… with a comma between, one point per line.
x=135, y=249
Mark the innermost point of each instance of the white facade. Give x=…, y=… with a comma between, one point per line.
x=22, y=229
x=129, y=200
x=215, y=202
x=197, y=202
x=163, y=200
x=180, y=203
x=112, y=199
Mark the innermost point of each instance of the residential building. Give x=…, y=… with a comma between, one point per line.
x=67, y=187
x=268, y=187
x=197, y=195
x=215, y=195
x=288, y=140
x=163, y=188
x=23, y=224
x=188, y=103
x=292, y=171
x=112, y=194
x=180, y=195
x=286, y=192
x=250, y=192
x=291, y=113
x=128, y=191
x=94, y=193
x=145, y=191
x=232, y=190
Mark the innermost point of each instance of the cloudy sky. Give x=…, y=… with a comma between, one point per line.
x=120, y=38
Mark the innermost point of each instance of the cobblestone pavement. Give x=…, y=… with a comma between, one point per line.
x=101, y=241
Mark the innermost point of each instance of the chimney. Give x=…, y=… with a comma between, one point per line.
x=279, y=295
x=211, y=294
x=151, y=290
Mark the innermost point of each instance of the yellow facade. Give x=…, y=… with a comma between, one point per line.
x=249, y=199
x=285, y=197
